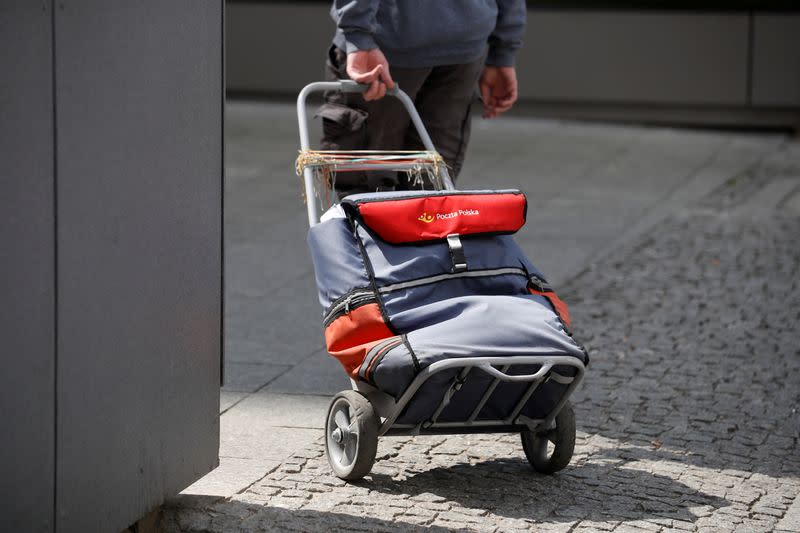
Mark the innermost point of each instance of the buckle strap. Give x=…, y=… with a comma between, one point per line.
x=539, y=284
x=456, y=253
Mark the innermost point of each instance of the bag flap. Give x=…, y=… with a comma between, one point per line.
x=407, y=216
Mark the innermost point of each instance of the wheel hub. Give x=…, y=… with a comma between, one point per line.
x=337, y=436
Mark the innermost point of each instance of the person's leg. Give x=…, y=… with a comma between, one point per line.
x=351, y=123
x=444, y=102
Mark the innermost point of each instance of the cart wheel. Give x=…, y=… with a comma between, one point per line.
x=562, y=438
x=351, y=435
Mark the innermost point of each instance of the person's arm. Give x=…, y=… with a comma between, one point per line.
x=356, y=19
x=498, y=83
x=506, y=38
x=365, y=62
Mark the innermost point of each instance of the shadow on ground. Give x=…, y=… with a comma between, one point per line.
x=195, y=514
x=509, y=488
x=491, y=490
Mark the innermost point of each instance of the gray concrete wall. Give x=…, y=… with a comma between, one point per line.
x=112, y=252
x=139, y=230
x=695, y=66
x=635, y=57
x=776, y=60
x=276, y=47
x=27, y=276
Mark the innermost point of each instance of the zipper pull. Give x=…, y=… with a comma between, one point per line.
x=347, y=305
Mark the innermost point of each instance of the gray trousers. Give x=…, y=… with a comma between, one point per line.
x=443, y=96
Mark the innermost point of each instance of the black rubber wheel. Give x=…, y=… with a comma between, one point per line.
x=562, y=437
x=351, y=435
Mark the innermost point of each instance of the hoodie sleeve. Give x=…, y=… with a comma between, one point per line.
x=508, y=31
x=356, y=20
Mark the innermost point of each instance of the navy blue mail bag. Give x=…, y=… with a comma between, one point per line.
x=408, y=278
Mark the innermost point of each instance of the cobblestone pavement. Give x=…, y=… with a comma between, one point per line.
x=687, y=419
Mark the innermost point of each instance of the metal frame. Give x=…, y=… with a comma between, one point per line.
x=349, y=86
x=389, y=409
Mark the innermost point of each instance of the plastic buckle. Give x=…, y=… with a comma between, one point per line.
x=539, y=284
x=456, y=253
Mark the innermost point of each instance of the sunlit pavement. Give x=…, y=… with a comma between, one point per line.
x=677, y=252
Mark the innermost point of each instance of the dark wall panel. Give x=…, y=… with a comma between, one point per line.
x=139, y=283
x=276, y=46
x=26, y=268
x=776, y=60
x=635, y=57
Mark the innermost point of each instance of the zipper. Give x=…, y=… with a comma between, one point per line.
x=360, y=297
x=344, y=306
x=439, y=193
x=505, y=271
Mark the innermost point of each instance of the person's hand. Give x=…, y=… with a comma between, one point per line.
x=498, y=87
x=370, y=66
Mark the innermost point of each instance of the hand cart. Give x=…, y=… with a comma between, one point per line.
x=357, y=417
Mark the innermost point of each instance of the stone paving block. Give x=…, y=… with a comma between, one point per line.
x=231, y=476
x=281, y=328
x=245, y=438
x=254, y=267
x=228, y=399
x=775, y=193
x=319, y=373
x=792, y=203
x=281, y=410
x=249, y=377
x=559, y=258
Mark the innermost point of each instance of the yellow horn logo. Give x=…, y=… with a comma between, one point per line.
x=426, y=218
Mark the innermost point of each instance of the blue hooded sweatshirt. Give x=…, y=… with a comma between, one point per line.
x=428, y=33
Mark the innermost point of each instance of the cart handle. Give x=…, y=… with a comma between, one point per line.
x=349, y=86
